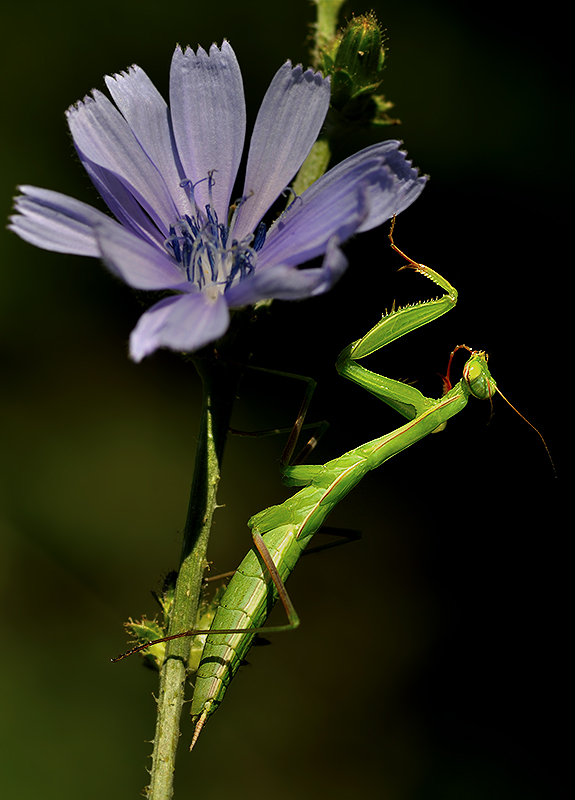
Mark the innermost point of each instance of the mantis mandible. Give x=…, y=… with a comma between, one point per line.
x=281, y=533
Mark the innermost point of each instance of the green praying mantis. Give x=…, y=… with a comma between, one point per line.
x=281, y=533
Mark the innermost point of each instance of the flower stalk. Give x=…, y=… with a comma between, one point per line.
x=220, y=380
x=326, y=26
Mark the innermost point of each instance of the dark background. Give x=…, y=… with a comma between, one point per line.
x=431, y=660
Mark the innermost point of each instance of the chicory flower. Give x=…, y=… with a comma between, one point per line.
x=167, y=175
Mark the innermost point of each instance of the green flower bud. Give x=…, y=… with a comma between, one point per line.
x=361, y=52
x=355, y=62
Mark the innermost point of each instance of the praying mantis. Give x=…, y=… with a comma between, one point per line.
x=281, y=533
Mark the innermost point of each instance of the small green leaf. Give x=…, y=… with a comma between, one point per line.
x=147, y=630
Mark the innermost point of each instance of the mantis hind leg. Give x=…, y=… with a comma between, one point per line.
x=296, y=429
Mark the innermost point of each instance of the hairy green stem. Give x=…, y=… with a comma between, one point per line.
x=220, y=379
x=326, y=25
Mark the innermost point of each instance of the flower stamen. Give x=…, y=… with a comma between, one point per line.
x=199, y=244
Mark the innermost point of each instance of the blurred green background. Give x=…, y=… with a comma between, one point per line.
x=431, y=660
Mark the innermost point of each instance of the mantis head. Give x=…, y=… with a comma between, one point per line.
x=477, y=376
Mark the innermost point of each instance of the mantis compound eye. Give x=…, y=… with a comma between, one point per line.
x=478, y=378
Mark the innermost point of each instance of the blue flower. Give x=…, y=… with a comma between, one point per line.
x=167, y=175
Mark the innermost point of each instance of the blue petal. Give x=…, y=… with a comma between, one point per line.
x=288, y=123
x=209, y=117
x=339, y=208
x=384, y=203
x=184, y=323
x=360, y=193
x=147, y=114
x=103, y=136
x=56, y=222
x=122, y=202
x=284, y=282
x=137, y=263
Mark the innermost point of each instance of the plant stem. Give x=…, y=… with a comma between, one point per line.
x=220, y=379
x=326, y=25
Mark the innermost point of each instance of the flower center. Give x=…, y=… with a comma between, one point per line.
x=201, y=245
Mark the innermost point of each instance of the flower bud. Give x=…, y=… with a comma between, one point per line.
x=355, y=62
